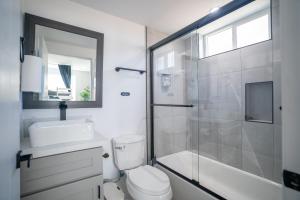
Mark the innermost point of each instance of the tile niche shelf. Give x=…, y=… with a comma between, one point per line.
x=259, y=102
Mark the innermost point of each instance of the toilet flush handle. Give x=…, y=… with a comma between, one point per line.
x=120, y=147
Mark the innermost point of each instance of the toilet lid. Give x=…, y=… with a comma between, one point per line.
x=149, y=180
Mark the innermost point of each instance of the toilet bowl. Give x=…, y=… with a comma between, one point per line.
x=142, y=182
x=148, y=183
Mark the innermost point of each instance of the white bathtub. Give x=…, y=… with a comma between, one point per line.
x=224, y=180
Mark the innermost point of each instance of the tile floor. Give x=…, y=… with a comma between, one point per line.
x=122, y=184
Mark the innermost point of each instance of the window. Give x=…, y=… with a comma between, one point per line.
x=219, y=42
x=160, y=63
x=250, y=30
x=167, y=60
x=253, y=31
x=171, y=59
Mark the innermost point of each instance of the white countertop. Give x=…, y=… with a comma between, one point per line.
x=37, y=152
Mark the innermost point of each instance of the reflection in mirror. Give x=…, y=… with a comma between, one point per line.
x=237, y=29
x=69, y=63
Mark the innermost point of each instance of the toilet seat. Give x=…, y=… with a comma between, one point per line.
x=148, y=183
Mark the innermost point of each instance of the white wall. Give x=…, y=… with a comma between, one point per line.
x=290, y=29
x=154, y=36
x=10, y=20
x=124, y=45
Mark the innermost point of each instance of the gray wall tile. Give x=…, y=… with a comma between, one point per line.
x=230, y=61
x=209, y=149
x=258, y=164
x=258, y=138
x=258, y=75
x=231, y=134
x=277, y=93
x=231, y=156
x=208, y=66
x=278, y=142
x=258, y=55
x=277, y=171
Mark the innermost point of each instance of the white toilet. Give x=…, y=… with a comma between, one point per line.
x=143, y=182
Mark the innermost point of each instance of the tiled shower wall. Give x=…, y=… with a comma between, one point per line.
x=223, y=133
x=170, y=125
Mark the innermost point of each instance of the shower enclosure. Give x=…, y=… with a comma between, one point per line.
x=175, y=101
x=215, y=110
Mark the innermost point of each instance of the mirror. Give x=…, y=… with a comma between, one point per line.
x=72, y=64
x=69, y=62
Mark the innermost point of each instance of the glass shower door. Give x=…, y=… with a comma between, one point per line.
x=175, y=105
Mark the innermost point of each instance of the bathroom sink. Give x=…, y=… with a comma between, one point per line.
x=56, y=132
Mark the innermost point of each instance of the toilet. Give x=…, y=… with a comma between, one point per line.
x=142, y=182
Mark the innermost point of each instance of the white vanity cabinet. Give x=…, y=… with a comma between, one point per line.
x=73, y=175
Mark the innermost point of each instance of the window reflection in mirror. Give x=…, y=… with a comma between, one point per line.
x=248, y=25
x=69, y=63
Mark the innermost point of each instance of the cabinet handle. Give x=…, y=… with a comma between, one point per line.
x=99, y=192
x=106, y=155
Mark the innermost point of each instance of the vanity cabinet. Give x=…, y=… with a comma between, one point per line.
x=87, y=189
x=73, y=175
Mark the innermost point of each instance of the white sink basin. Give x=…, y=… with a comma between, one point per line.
x=56, y=132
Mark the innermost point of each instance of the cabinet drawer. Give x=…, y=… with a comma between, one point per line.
x=87, y=189
x=52, y=171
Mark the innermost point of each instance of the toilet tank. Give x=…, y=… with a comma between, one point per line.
x=129, y=151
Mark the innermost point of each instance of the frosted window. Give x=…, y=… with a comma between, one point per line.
x=249, y=30
x=201, y=46
x=219, y=42
x=254, y=31
x=160, y=63
x=171, y=58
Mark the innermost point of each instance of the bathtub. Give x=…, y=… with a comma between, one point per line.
x=223, y=180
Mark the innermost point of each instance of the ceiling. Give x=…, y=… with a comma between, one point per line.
x=166, y=16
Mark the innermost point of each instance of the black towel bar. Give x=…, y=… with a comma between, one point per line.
x=129, y=69
x=174, y=105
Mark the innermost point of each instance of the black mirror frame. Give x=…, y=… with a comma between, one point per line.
x=31, y=100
